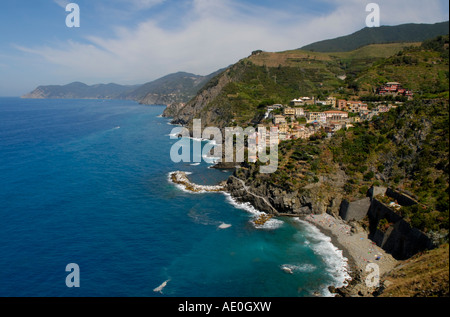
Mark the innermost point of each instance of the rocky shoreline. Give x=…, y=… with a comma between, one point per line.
x=352, y=240
x=180, y=178
x=360, y=251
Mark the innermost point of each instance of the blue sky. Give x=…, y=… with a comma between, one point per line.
x=136, y=41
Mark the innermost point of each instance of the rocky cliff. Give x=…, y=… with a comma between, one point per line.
x=315, y=198
x=198, y=106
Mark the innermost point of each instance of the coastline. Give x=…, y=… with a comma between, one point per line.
x=352, y=241
x=358, y=249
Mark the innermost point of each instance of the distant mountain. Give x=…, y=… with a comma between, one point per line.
x=171, y=89
x=77, y=90
x=174, y=88
x=405, y=33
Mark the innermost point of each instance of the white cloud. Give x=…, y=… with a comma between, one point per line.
x=140, y=4
x=62, y=3
x=214, y=34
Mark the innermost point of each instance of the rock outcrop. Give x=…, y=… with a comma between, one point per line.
x=184, y=114
x=313, y=199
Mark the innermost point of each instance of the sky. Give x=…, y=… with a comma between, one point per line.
x=137, y=41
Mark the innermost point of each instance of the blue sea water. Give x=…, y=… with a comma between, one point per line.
x=86, y=182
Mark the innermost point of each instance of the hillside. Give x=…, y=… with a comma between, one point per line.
x=380, y=35
x=424, y=69
x=171, y=89
x=174, y=88
x=240, y=93
x=405, y=148
x=424, y=275
x=79, y=90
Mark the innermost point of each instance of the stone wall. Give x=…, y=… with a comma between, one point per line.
x=400, y=239
x=402, y=199
x=354, y=211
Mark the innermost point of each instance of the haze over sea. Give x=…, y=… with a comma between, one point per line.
x=86, y=182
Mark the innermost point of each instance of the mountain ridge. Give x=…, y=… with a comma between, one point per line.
x=406, y=33
x=174, y=88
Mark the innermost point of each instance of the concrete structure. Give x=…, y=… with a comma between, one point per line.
x=354, y=211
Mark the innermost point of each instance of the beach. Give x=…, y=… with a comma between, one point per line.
x=361, y=252
x=357, y=248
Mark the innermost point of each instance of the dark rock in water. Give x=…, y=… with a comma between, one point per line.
x=226, y=166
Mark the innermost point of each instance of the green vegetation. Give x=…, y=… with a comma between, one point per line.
x=268, y=78
x=423, y=69
x=406, y=149
x=383, y=34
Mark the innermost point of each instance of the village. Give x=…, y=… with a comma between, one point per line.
x=304, y=116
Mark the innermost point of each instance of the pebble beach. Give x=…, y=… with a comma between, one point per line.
x=357, y=248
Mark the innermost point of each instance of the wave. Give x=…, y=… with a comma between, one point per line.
x=211, y=159
x=302, y=268
x=174, y=124
x=336, y=263
x=271, y=224
x=187, y=186
x=195, y=164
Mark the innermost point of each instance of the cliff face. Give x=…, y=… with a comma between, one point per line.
x=324, y=196
x=198, y=107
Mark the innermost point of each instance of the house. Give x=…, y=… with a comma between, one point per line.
x=277, y=119
x=289, y=111
x=283, y=128
x=274, y=107
x=299, y=112
x=309, y=101
x=383, y=109
x=297, y=102
x=331, y=101
x=342, y=104
x=303, y=101
x=395, y=89
x=356, y=106
x=316, y=116
x=336, y=115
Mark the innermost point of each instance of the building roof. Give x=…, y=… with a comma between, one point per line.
x=336, y=111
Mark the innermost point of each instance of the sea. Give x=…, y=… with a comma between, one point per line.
x=86, y=182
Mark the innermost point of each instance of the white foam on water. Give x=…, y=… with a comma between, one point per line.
x=195, y=164
x=271, y=224
x=207, y=189
x=210, y=159
x=179, y=186
x=337, y=264
x=295, y=268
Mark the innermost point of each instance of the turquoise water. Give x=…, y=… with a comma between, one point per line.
x=86, y=182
